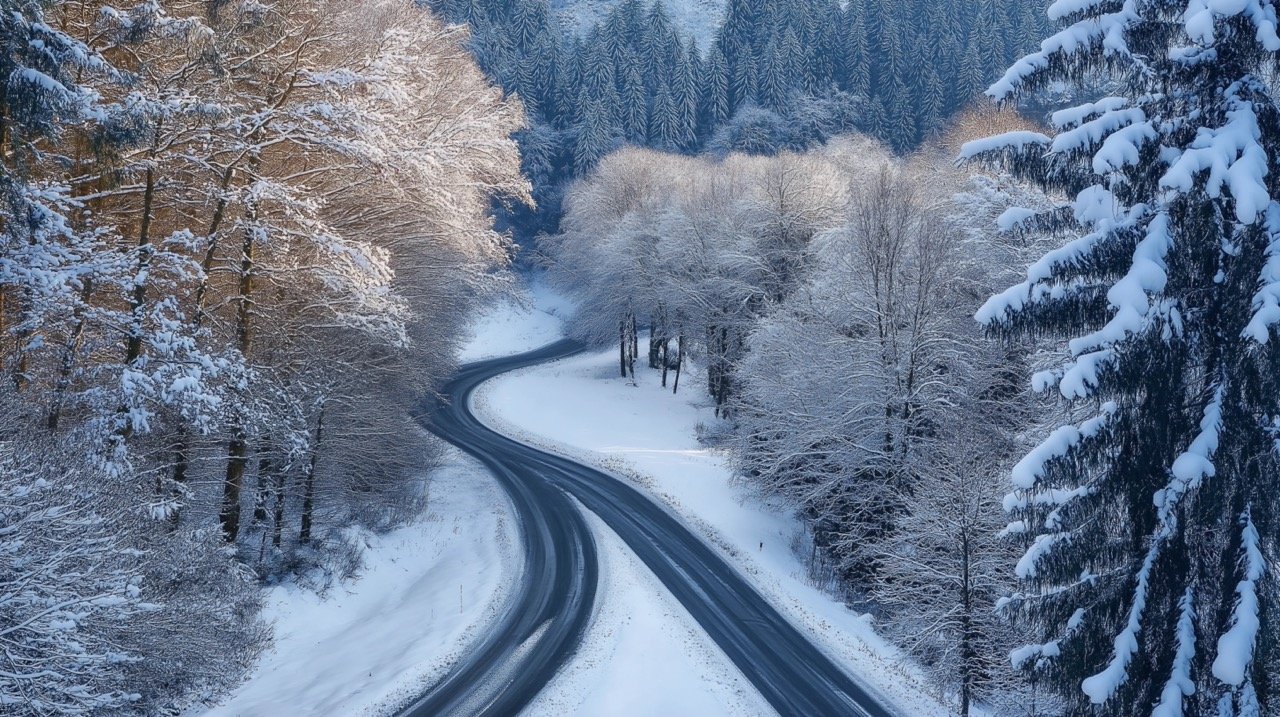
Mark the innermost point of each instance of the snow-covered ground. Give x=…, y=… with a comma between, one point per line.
x=644, y=655
x=423, y=593
x=515, y=324
x=581, y=408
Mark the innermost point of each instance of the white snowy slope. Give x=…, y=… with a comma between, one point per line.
x=581, y=408
x=643, y=655
x=699, y=18
x=516, y=323
x=425, y=591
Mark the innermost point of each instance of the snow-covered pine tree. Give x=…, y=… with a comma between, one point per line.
x=664, y=124
x=685, y=87
x=1151, y=521
x=715, y=89
x=528, y=23
x=855, y=64
x=45, y=99
x=635, y=102
x=773, y=81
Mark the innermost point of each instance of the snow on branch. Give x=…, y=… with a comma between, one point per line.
x=1103, y=685
x=1131, y=296
x=1032, y=468
x=1202, y=15
x=1018, y=140
x=1236, y=646
x=1266, y=303
x=1106, y=30
x=1180, y=683
x=1196, y=463
x=1074, y=116
x=1232, y=155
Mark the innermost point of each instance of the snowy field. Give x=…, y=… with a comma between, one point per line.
x=581, y=408
x=518, y=323
x=422, y=595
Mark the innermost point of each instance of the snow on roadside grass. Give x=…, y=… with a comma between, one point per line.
x=374, y=643
x=643, y=654
x=515, y=324
x=581, y=408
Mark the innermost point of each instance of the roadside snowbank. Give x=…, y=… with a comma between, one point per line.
x=581, y=408
x=422, y=594
x=516, y=324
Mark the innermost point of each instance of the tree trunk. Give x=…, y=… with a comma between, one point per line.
x=679, y=365
x=181, y=463
x=264, y=488
x=181, y=459
x=622, y=347
x=133, y=347
x=634, y=343
x=277, y=532
x=666, y=360
x=309, y=487
x=721, y=389
x=69, y=353
x=237, y=457
x=237, y=450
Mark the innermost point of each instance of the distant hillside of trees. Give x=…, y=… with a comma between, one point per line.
x=779, y=75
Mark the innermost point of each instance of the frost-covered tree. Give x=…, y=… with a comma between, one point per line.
x=946, y=565
x=1150, y=520
x=237, y=240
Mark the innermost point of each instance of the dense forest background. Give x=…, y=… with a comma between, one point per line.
x=778, y=75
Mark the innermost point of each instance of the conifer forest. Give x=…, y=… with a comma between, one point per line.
x=880, y=358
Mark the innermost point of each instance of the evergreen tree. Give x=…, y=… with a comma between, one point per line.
x=528, y=23
x=595, y=137
x=660, y=47
x=742, y=82
x=684, y=93
x=597, y=85
x=664, y=125
x=715, y=90
x=1150, y=521
x=568, y=81
x=856, y=68
x=929, y=100
x=773, y=90
x=969, y=77
x=635, y=102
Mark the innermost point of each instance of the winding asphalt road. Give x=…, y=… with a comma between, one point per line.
x=545, y=621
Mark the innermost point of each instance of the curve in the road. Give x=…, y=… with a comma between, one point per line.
x=549, y=612
x=790, y=671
